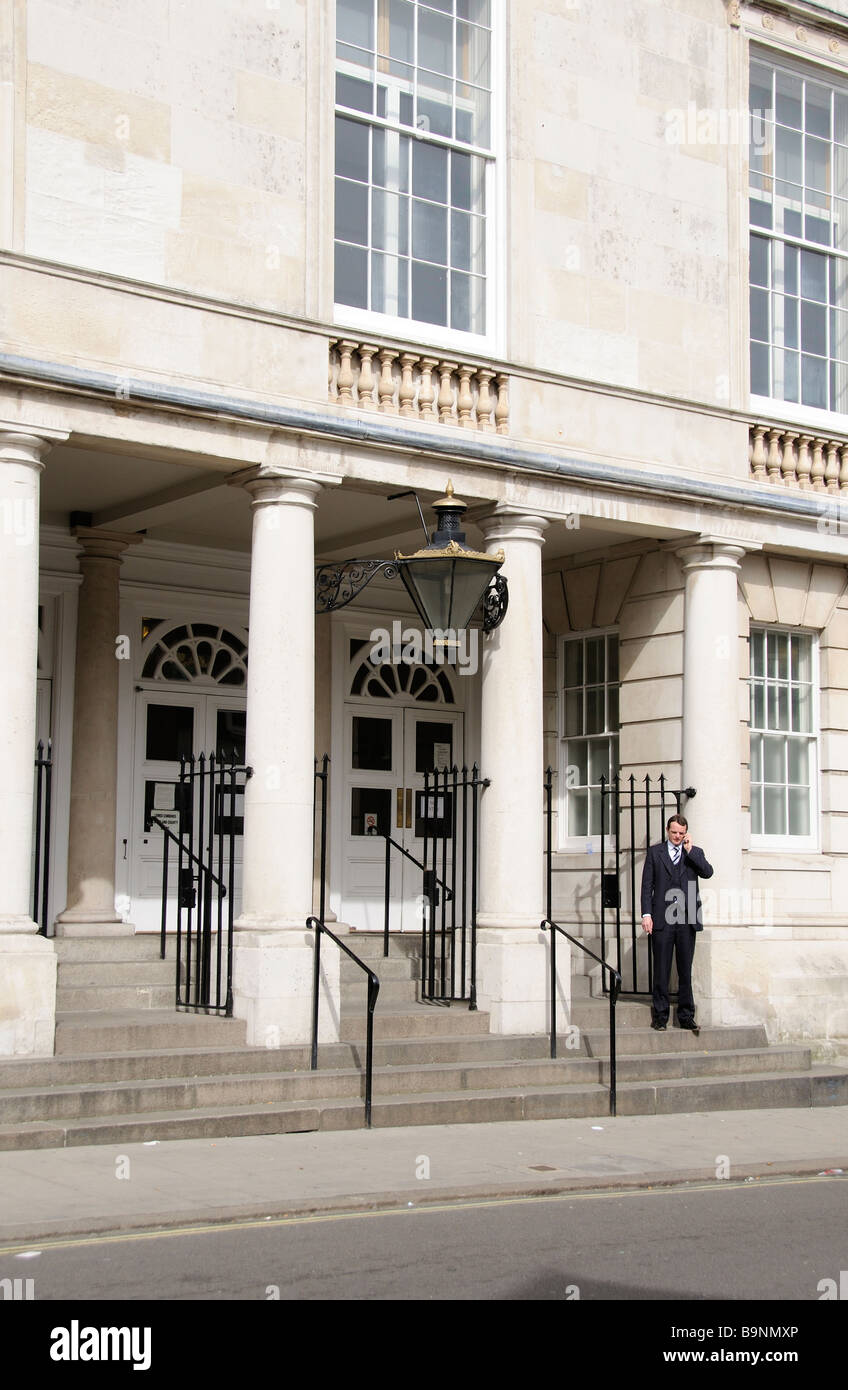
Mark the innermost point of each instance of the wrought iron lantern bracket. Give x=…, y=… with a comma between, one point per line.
x=337, y=585
x=495, y=603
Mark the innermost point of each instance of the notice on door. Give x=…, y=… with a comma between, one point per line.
x=441, y=756
x=163, y=797
x=170, y=819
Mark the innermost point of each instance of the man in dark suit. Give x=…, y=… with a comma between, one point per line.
x=671, y=915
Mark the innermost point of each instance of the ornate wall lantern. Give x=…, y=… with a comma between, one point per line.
x=446, y=579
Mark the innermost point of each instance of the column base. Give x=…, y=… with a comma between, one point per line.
x=92, y=924
x=272, y=985
x=513, y=977
x=27, y=994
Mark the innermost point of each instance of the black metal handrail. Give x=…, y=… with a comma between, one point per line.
x=42, y=827
x=614, y=991
x=388, y=885
x=373, y=991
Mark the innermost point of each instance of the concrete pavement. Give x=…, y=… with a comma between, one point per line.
x=56, y=1192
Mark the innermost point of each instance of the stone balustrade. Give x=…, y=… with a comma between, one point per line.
x=434, y=389
x=790, y=458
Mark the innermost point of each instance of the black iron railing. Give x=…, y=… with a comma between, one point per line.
x=373, y=990
x=632, y=818
x=209, y=802
x=447, y=817
x=614, y=991
x=41, y=836
x=319, y=827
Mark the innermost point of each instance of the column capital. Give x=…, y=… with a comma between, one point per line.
x=97, y=544
x=511, y=524
x=28, y=447
x=278, y=485
x=710, y=552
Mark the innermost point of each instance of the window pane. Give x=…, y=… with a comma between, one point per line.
x=372, y=744
x=759, y=707
x=355, y=22
x=578, y=813
x=429, y=232
x=595, y=710
x=352, y=276
x=574, y=712
x=594, y=660
x=817, y=164
x=799, y=812
x=435, y=42
x=756, y=758
x=354, y=93
x=788, y=105
x=390, y=222
x=758, y=647
x=612, y=707
x=351, y=212
x=778, y=656
x=170, y=733
x=760, y=315
x=756, y=811
x=430, y=172
x=389, y=284
x=351, y=149
x=468, y=310
x=814, y=382
x=774, y=760
x=814, y=276
x=402, y=30
x=577, y=774
x=817, y=114
x=390, y=160
x=429, y=293
x=813, y=327
x=774, y=809
x=759, y=369
x=801, y=710
x=599, y=762
x=759, y=260
x=799, y=763
x=370, y=811
x=574, y=663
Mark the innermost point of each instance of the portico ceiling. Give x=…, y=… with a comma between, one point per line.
x=178, y=502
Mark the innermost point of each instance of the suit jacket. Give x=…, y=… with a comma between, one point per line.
x=670, y=894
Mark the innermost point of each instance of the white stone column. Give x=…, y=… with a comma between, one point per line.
x=94, y=767
x=512, y=952
x=27, y=960
x=273, y=951
x=711, y=745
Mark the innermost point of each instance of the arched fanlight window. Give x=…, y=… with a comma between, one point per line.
x=428, y=684
x=190, y=652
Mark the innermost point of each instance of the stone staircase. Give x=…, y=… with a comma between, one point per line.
x=129, y=1068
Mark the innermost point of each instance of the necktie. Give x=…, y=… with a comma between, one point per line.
x=675, y=855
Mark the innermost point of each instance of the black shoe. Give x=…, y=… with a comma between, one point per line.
x=690, y=1027
x=658, y=1027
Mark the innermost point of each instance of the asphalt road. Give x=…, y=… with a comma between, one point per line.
x=766, y=1240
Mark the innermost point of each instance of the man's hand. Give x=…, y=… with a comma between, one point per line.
x=647, y=923
x=687, y=842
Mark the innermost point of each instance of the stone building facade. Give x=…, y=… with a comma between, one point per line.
x=265, y=263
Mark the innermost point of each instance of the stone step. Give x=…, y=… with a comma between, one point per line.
x=134, y=1030
x=594, y=1013
x=140, y=947
x=820, y=1086
x=369, y=945
x=198, y=1093
x=125, y=974
x=402, y=968
x=81, y=999
x=354, y=993
x=646, y=1042
x=416, y=1022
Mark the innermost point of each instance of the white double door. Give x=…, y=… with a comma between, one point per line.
x=170, y=725
x=386, y=755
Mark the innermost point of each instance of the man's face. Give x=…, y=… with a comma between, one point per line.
x=676, y=832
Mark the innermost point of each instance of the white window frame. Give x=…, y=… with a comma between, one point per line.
x=346, y=316
x=796, y=844
x=565, y=842
x=794, y=412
